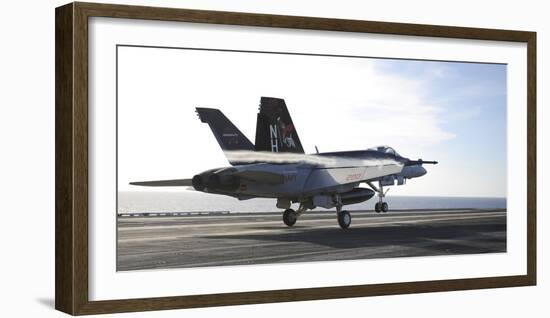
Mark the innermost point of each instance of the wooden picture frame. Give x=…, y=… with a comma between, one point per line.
x=71, y=156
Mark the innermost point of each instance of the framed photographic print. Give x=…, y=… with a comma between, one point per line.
x=211, y=158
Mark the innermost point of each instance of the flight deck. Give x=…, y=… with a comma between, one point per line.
x=184, y=240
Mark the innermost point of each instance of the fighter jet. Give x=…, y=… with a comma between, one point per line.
x=277, y=167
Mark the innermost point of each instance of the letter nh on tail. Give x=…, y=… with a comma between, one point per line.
x=275, y=131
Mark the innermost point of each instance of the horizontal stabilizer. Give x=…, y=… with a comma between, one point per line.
x=261, y=177
x=165, y=183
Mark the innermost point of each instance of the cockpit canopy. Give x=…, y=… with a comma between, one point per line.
x=385, y=149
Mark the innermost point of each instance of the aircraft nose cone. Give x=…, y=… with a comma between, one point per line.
x=422, y=171
x=413, y=171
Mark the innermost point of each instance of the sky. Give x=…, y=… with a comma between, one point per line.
x=451, y=112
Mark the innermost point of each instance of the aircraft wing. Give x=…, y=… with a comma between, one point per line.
x=165, y=183
x=263, y=177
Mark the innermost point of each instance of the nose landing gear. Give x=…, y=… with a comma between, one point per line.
x=380, y=206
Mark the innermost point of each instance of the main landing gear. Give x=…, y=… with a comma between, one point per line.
x=344, y=217
x=290, y=216
x=380, y=206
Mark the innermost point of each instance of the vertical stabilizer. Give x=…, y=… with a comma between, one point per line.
x=275, y=131
x=228, y=136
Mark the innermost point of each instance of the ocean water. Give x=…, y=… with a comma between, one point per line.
x=190, y=201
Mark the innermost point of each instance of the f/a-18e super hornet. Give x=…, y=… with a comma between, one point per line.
x=276, y=167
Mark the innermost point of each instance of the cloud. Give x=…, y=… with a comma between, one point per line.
x=365, y=105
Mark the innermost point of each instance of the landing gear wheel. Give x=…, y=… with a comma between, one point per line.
x=344, y=219
x=377, y=207
x=384, y=207
x=289, y=217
